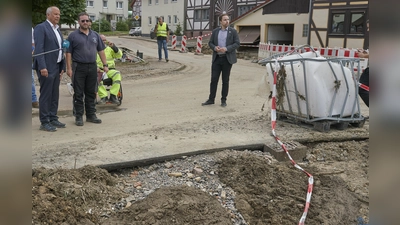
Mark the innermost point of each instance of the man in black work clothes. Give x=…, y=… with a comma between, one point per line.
x=82, y=68
x=224, y=41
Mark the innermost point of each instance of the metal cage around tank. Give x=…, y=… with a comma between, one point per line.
x=299, y=92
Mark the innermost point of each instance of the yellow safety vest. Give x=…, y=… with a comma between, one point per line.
x=162, y=30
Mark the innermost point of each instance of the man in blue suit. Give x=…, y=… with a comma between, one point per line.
x=49, y=67
x=224, y=41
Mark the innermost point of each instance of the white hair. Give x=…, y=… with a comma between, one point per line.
x=50, y=9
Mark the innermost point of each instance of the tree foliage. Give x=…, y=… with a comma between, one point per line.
x=39, y=10
x=69, y=10
x=178, y=30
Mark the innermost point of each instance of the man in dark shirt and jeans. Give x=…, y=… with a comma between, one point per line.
x=82, y=68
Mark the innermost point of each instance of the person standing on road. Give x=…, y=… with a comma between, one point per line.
x=112, y=52
x=162, y=32
x=82, y=68
x=35, y=103
x=364, y=78
x=224, y=41
x=49, y=67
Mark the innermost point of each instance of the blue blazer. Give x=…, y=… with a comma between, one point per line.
x=46, y=40
x=232, y=43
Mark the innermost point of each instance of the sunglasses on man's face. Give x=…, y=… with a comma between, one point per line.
x=83, y=21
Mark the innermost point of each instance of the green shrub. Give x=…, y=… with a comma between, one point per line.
x=104, y=25
x=122, y=25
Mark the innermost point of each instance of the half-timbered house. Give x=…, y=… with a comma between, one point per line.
x=275, y=21
x=136, y=6
x=339, y=23
x=202, y=15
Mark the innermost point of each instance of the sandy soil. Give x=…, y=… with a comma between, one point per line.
x=161, y=115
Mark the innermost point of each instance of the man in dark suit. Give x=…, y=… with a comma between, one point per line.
x=49, y=67
x=224, y=41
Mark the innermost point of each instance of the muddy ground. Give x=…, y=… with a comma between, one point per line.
x=226, y=187
x=265, y=191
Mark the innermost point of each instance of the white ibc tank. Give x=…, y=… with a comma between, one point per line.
x=325, y=92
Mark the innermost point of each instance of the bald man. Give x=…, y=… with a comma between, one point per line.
x=49, y=68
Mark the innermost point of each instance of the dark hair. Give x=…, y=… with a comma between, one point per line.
x=82, y=14
x=222, y=15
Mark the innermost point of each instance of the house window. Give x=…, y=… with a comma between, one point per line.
x=305, y=30
x=357, y=23
x=174, y=0
x=347, y=22
x=169, y=19
x=119, y=5
x=175, y=19
x=201, y=14
x=89, y=3
x=92, y=17
x=338, y=23
x=120, y=17
x=156, y=2
x=244, y=9
x=105, y=4
x=150, y=20
x=149, y=2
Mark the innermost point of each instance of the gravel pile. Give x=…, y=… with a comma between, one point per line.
x=200, y=171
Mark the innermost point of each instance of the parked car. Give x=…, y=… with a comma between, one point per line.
x=136, y=31
x=153, y=35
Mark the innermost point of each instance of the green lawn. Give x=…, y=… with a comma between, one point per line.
x=115, y=33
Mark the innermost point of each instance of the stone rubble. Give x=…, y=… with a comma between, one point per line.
x=195, y=171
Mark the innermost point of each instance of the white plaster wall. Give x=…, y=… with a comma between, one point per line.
x=162, y=9
x=257, y=19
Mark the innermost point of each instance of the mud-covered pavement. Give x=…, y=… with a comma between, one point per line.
x=162, y=115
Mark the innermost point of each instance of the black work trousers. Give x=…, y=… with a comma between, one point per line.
x=220, y=64
x=84, y=81
x=364, y=79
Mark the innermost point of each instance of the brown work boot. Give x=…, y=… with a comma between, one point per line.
x=35, y=104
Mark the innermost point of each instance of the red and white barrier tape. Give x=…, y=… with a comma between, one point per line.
x=205, y=35
x=363, y=86
x=273, y=124
x=330, y=52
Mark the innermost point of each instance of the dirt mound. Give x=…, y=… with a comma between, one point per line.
x=275, y=194
x=174, y=205
x=80, y=196
x=229, y=187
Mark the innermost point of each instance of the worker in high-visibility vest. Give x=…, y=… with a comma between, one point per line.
x=162, y=32
x=112, y=52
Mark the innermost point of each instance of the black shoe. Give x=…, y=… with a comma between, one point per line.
x=223, y=104
x=48, y=127
x=79, y=121
x=57, y=124
x=102, y=101
x=114, y=100
x=93, y=119
x=208, y=102
x=166, y=60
